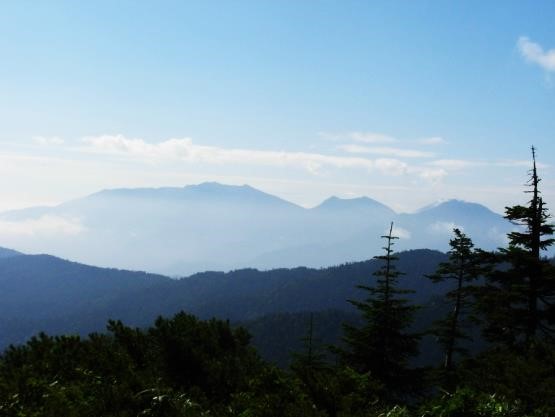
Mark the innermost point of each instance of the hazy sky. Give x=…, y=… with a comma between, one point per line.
x=406, y=102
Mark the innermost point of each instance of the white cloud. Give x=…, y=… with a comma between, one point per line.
x=500, y=237
x=43, y=140
x=363, y=137
x=453, y=164
x=400, y=232
x=371, y=137
x=433, y=175
x=534, y=53
x=460, y=164
x=389, y=151
x=444, y=228
x=435, y=140
x=185, y=150
x=380, y=138
x=392, y=166
x=520, y=163
x=42, y=226
x=353, y=148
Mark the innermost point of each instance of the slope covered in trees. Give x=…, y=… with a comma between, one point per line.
x=44, y=293
x=184, y=367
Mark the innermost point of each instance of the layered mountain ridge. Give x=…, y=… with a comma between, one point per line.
x=46, y=293
x=210, y=226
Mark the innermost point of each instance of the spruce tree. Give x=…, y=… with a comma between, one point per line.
x=462, y=267
x=520, y=293
x=310, y=367
x=384, y=344
x=311, y=359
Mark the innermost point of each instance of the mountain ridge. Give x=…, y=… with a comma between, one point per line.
x=363, y=202
x=217, y=186
x=204, y=189
x=46, y=293
x=8, y=253
x=212, y=226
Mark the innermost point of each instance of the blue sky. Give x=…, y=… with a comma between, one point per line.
x=406, y=102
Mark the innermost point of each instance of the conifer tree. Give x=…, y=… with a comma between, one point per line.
x=383, y=344
x=311, y=369
x=311, y=359
x=520, y=292
x=463, y=267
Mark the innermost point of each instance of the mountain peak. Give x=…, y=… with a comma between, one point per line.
x=243, y=193
x=452, y=205
x=357, y=203
x=218, y=186
x=205, y=187
x=205, y=191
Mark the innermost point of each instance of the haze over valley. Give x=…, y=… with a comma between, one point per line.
x=210, y=226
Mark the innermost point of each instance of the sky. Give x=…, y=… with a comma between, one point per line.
x=404, y=102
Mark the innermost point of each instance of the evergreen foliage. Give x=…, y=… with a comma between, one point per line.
x=180, y=367
x=463, y=267
x=177, y=363
x=519, y=298
x=525, y=376
x=384, y=344
x=314, y=373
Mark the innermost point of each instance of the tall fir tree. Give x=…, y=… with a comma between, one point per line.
x=310, y=367
x=384, y=344
x=463, y=267
x=519, y=297
x=311, y=359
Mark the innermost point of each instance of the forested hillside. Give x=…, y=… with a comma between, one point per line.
x=44, y=293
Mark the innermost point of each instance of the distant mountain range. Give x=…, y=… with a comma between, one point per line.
x=45, y=293
x=179, y=231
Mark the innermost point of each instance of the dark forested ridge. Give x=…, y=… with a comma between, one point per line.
x=278, y=336
x=44, y=293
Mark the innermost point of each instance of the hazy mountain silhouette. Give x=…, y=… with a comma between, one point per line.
x=8, y=253
x=178, y=231
x=430, y=227
x=351, y=205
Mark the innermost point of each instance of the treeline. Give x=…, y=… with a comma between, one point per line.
x=187, y=367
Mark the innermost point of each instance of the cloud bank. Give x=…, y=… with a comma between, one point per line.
x=185, y=150
x=397, y=152
x=44, y=226
x=43, y=140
